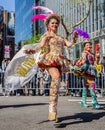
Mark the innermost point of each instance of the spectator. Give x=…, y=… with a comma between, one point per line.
x=46, y=81
x=3, y=65
x=72, y=65
x=98, y=65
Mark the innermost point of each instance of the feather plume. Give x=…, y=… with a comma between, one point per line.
x=41, y=16
x=47, y=10
x=81, y=33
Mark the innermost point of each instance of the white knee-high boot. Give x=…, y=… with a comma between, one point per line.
x=54, y=88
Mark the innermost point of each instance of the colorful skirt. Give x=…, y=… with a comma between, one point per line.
x=85, y=69
x=54, y=61
x=92, y=70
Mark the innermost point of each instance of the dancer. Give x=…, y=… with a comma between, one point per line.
x=52, y=59
x=87, y=69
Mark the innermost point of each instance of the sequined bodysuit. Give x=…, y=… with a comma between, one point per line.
x=52, y=55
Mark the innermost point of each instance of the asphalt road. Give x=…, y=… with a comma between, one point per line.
x=30, y=113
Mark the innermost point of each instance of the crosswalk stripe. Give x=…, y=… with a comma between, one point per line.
x=88, y=100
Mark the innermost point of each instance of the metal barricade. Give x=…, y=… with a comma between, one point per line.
x=74, y=84
x=100, y=84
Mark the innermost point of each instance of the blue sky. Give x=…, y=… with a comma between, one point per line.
x=8, y=5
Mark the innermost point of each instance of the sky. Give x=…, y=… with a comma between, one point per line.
x=8, y=5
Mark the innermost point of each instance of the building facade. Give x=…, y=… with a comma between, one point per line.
x=1, y=34
x=24, y=28
x=6, y=34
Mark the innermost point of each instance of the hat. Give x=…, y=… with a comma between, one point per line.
x=87, y=41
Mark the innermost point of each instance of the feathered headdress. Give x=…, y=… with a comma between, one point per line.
x=41, y=16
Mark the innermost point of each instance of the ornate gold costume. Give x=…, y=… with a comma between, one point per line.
x=52, y=55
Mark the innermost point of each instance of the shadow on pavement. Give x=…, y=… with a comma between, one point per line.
x=22, y=105
x=43, y=122
x=80, y=118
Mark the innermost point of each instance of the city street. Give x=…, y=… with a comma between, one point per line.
x=30, y=113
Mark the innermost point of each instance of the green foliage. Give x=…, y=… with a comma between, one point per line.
x=34, y=39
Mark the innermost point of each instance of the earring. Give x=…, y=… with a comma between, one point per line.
x=48, y=27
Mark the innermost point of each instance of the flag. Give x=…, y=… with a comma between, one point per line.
x=21, y=69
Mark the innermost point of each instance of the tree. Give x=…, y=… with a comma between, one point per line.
x=81, y=4
x=84, y=8
x=34, y=39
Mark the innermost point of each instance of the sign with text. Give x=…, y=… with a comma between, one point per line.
x=7, y=51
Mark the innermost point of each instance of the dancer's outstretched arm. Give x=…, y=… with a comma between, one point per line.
x=39, y=46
